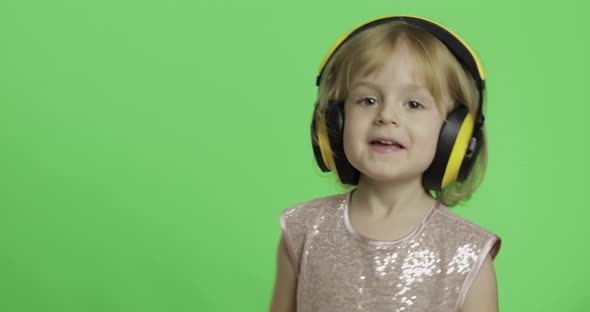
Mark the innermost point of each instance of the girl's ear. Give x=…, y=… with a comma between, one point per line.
x=449, y=105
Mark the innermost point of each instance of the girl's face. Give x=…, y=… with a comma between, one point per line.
x=394, y=103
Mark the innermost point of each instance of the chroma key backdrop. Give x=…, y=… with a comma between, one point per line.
x=148, y=147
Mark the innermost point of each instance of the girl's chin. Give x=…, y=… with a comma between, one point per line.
x=384, y=175
x=393, y=173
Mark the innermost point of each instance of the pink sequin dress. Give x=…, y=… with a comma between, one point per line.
x=340, y=270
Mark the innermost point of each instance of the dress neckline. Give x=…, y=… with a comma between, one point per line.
x=364, y=239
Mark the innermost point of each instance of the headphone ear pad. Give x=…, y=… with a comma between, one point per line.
x=317, y=151
x=471, y=154
x=452, y=144
x=335, y=125
x=335, y=120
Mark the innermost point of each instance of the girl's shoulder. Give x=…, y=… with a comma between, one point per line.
x=296, y=221
x=464, y=230
x=458, y=222
x=310, y=208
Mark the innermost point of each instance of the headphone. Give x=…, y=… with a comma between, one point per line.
x=460, y=137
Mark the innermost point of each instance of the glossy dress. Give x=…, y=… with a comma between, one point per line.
x=340, y=270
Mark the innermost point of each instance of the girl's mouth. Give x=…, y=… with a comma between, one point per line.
x=385, y=147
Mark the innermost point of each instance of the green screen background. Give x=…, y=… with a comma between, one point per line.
x=148, y=147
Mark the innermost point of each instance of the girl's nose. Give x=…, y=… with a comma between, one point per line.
x=387, y=115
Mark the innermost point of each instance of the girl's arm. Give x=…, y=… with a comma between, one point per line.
x=482, y=295
x=285, y=288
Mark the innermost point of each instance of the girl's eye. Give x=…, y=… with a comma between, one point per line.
x=414, y=104
x=367, y=100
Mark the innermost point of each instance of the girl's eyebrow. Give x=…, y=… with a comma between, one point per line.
x=409, y=87
x=364, y=83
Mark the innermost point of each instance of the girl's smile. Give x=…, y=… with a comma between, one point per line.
x=385, y=148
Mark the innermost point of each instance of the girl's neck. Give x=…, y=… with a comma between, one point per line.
x=391, y=200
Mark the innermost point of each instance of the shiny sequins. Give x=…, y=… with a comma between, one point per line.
x=463, y=258
x=340, y=272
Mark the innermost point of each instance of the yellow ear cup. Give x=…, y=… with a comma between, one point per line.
x=324, y=145
x=458, y=151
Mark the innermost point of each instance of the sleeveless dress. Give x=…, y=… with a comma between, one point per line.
x=340, y=270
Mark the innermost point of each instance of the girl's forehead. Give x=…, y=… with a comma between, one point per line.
x=394, y=74
x=372, y=84
x=408, y=70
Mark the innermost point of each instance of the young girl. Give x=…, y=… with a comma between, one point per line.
x=399, y=118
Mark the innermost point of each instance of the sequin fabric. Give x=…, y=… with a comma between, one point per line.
x=339, y=269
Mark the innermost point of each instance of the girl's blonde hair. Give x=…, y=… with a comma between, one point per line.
x=448, y=81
